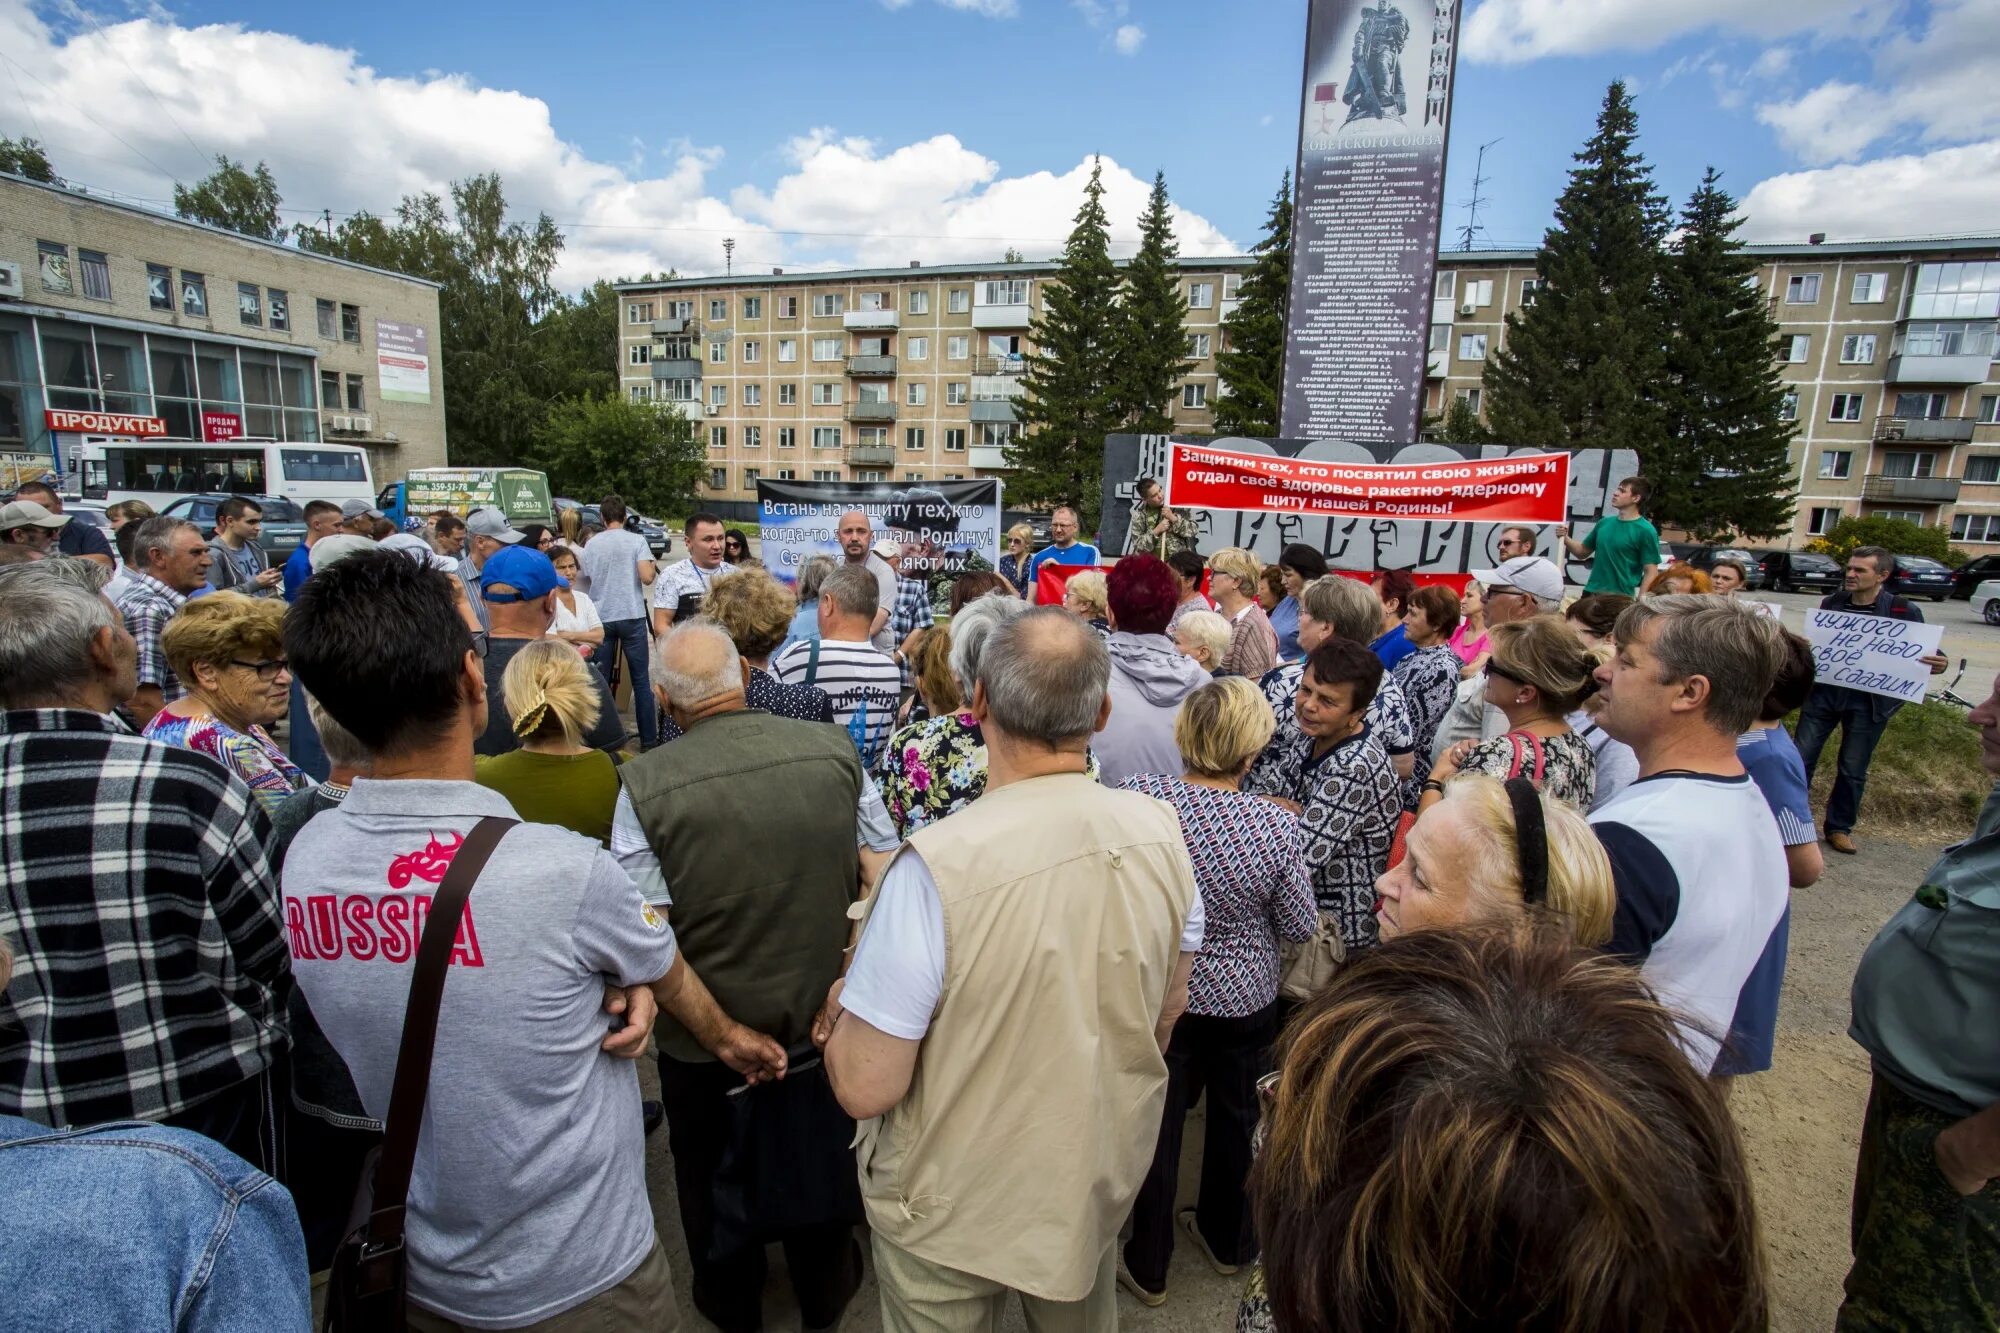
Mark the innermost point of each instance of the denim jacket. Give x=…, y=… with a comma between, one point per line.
x=138, y=1227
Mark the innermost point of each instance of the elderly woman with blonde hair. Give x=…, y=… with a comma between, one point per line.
x=1233, y=578
x=1204, y=636
x=553, y=778
x=229, y=651
x=1087, y=597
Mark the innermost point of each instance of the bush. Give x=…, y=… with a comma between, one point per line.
x=1896, y=535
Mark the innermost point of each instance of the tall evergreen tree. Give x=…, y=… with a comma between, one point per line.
x=1154, y=358
x=1251, y=361
x=1580, y=366
x=1068, y=407
x=1725, y=466
x=233, y=197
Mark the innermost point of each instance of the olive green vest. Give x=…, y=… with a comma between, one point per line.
x=753, y=819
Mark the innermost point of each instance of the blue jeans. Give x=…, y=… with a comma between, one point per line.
x=302, y=745
x=1861, y=725
x=636, y=638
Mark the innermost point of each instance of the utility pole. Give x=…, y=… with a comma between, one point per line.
x=327, y=214
x=729, y=256
x=1470, y=231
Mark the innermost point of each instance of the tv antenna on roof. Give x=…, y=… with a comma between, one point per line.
x=1470, y=231
x=729, y=256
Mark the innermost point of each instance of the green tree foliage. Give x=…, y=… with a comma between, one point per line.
x=1251, y=361
x=25, y=157
x=579, y=342
x=1580, y=366
x=1725, y=464
x=1896, y=535
x=1068, y=407
x=1012, y=256
x=1152, y=325
x=230, y=196
x=596, y=445
x=1457, y=424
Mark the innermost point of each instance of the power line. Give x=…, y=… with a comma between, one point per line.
x=144, y=83
x=87, y=116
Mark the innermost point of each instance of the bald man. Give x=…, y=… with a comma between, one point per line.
x=857, y=534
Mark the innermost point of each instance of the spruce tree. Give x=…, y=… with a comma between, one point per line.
x=1251, y=360
x=1725, y=466
x=1581, y=366
x=1154, y=358
x=1068, y=406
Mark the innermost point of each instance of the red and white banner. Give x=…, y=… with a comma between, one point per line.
x=103, y=423
x=1522, y=488
x=220, y=426
x=1051, y=578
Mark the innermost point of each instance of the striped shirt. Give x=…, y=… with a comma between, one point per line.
x=862, y=683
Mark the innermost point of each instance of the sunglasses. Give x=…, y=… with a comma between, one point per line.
x=267, y=670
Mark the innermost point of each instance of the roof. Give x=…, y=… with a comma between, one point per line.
x=154, y=215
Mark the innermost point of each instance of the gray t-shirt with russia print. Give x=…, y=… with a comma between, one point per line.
x=532, y=1136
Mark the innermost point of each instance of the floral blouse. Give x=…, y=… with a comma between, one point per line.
x=252, y=756
x=1568, y=768
x=933, y=768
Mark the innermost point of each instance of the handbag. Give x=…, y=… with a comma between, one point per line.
x=1522, y=752
x=788, y=1162
x=1304, y=969
x=365, y=1291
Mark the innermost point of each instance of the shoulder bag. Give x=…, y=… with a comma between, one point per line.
x=365, y=1291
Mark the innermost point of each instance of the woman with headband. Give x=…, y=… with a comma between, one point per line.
x=553, y=778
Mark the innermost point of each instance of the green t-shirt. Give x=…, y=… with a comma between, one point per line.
x=575, y=791
x=1621, y=549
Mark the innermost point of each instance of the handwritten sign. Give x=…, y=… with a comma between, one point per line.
x=1875, y=654
x=1529, y=488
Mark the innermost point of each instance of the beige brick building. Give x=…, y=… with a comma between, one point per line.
x=105, y=307
x=910, y=374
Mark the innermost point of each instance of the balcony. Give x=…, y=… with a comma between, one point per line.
x=1000, y=365
x=871, y=365
x=1905, y=368
x=871, y=411
x=1439, y=364
x=676, y=368
x=666, y=327
x=1001, y=411
x=1910, y=490
x=1923, y=430
x=871, y=455
x=997, y=388
x=991, y=457
x=1002, y=316
x=872, y=319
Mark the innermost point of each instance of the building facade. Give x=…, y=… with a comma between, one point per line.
x=912, y=374
x=108, y=308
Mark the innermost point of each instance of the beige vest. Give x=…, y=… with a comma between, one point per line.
x=1035, y=1106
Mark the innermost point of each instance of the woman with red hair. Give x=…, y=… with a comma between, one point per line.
x=1149, y=676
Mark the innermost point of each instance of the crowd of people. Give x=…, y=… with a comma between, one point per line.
x=1458, y=910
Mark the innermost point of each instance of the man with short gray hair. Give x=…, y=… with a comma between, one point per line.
x=862, y=682
x=1030, y=951
x=746, y=824
x=170, y=562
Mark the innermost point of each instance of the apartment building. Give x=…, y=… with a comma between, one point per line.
x=913, y=374
x=110, y=308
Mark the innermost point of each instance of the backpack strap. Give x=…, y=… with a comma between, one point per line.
x=812, y=661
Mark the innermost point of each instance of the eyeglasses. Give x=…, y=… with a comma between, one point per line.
x=267, y=670
x=1500, y=589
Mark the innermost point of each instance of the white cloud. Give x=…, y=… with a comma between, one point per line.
x=1511, y=31
x=1128, y=38
x=1948, y=191
x=993, y=9
x=345, y=137
x=1835, y=122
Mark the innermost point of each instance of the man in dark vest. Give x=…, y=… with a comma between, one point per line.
x=747, y=826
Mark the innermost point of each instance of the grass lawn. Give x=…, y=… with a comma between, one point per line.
x=1926, y=779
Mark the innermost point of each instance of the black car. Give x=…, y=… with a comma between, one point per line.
x=1920, y=576
x=284, y=522
x=1800, y=571
x=1973, y=573
x=1704, y=558
x=658, y=539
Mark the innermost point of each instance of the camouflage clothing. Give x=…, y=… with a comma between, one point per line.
x=1181, y=533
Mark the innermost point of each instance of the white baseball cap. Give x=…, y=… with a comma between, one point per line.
x=888, y=549
x=490, y=522
x=28, y=514
x=1530, y=574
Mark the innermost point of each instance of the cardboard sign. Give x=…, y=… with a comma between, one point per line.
x=1874, y=654
x=1519, y=488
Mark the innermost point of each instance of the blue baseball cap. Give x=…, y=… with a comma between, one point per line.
x=528, y=572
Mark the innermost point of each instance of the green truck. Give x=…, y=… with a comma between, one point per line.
x=522, y=494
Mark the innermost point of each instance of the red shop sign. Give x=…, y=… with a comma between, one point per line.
x=220, y=426
x=103, y=423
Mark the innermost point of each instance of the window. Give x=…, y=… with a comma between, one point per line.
x=788, y=395
x=1957, y=339
x=1857, y=349
x=1834, y=464
x=955, y=393
x=718, y=310
x=917, y=393
x=1796, y=347
x=872, y=437
x=638, y=312
x=875, y=301
x=1472, y=347
x=1920, y=406
x=718, y=479
x=753, y=437
x=826, y=349
x=957, y=349
x=958, y=300
x=1989, y=408
x=680, y=310
x=350, y=323
x=828, y=304
x=249, y=305
x=1821, y=521
x=194, y=295
x=919, y=349
x=1915, y=516
x=873, y=393
x=1008, y=291
x=1201, y=295
x=1194, y=395
x=1198, y=344
x=753, y=351
x=718, y=353
x=1440, y=340
x=913, y=476
x=871, y=474
x=639, y=354
x=1870, y=288
x=825, y=394
x=788, y=438
x=1232, y=285
x=718, y=437
x=159, y=287
x=788, y=307
x=55, y=266
x=329, y=389
x=1802, y=289
x=920, y=302
x=826, y=437
x=753, y=307
x=753, y=395
x=1531, y=287
x=329, y=325
x=826, y=474
x=281, y=309
x=1956, y=291
x=718, y=395
x=1984, y=469
x=788, y=349
x=1470, y=397
x=751, y=476
x=356, y=394
x=954, y=440
x=1788, y=406
x=1446, y=287
x=95, y=270
x=787, y=474
x=1006, y=346
x=1975, y=527
x=641, y=393
x=1911, y=463
x=913, y=438
x=1479, y=292
x=995, y=434
x=1846, y=407
x=676, y=391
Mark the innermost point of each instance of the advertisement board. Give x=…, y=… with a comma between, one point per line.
x=522, y=494
x=402, y=362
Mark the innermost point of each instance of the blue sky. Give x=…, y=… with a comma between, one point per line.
x=941, y=129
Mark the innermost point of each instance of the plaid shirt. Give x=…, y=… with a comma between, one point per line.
x=150, y=958
x=912, y=612
x=147, y=605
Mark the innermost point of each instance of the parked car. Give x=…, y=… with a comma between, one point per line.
x=658, y=539
x=1704, y=558
x=1675, y=553
x=1968, y=576
x=284, y=522
x=1986, y=601
x=1799, y=571
x=1920, y=576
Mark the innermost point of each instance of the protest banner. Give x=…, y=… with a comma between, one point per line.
x=1520, y=488
x=1051, y=578
x=944, y=527
x=1874, y=654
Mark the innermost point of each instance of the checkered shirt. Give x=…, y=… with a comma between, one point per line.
x=912, y=612
x=147, y=605
x=150, y=963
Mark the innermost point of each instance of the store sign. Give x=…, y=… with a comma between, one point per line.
x=220, y=426
x=103, y=423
